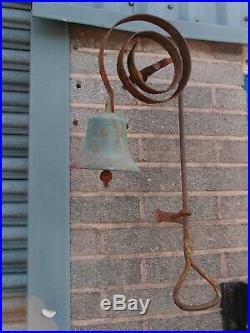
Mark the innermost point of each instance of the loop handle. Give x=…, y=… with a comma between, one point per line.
x=205, y=276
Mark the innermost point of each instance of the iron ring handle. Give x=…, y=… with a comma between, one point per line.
x=182, y=278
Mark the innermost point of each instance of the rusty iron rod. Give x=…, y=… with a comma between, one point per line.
x=187, y=247
x=180, y=58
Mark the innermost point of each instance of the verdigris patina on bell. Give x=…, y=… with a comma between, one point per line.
x=106, y=145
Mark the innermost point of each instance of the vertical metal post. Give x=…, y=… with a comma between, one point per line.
x=49, y=197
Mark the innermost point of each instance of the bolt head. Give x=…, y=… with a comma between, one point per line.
x=75, y=122
x=131, y=4
x=170, y=6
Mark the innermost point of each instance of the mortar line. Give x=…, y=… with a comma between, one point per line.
x=145, y=326
x=132, y=225
x=217, y=151
x=160, y=55
x=83, y=76
x=102, y=243
x=155, y=285
x=76, y=194
x=174, y=136
x=142, y=211
x=223, y=265
x=213, y=97
x=161, y=254
x=141, y=150
x=176, y=165
x=128, y=107
x=219, y=205
x=167, y=315
x=103, y=293
x=143, y=271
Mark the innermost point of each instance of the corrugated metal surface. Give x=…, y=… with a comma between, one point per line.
x=216, y=21
x=16, y=19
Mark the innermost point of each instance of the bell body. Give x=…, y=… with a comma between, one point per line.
x=106, y=146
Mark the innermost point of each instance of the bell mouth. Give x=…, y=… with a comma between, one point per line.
x=118, y=166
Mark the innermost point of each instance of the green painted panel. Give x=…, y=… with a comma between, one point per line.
x=227, y=21
x=48, y=210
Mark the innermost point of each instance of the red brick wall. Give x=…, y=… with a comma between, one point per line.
x=116, y=246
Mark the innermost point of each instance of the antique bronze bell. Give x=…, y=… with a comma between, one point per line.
x=106, y=145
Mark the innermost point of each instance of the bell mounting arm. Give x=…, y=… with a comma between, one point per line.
x=135, y=83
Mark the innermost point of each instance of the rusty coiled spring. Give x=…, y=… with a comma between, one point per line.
x=134, y=81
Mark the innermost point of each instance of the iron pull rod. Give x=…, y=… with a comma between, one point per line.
x=187, y=247
x=182, y=152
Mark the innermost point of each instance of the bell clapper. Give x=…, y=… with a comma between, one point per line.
x=106, y=177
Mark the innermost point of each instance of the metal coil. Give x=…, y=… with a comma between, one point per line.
x=134, y=80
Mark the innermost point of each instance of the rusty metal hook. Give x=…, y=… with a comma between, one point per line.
x=135, y=84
